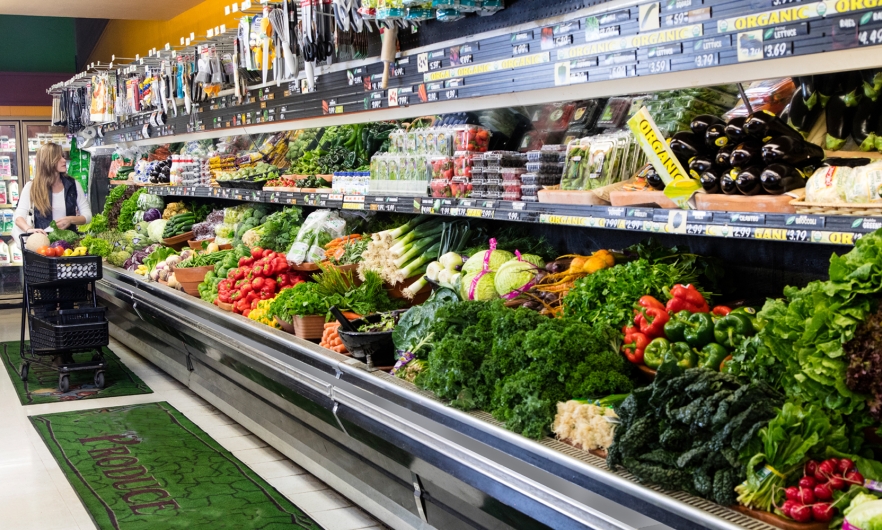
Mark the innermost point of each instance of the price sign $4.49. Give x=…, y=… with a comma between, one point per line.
x=868, y=37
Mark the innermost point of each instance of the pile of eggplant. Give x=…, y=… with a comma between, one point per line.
x=850, y=102
x=746, y=156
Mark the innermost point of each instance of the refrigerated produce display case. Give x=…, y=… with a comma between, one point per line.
x=11, y=181
x=556, y=145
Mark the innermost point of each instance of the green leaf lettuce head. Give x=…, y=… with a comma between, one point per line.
x=801, y=347
x=866, y=515
x=62, y=235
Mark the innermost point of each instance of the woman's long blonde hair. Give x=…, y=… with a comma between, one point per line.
x=45, y=172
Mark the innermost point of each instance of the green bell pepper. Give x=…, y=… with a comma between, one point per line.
x=732, y=329
x=712, y=356
x=655, y=352
x=699, y=330
x=750, y=313
x=676, y=326
x=684, y=356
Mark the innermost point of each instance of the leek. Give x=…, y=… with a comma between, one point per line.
x=407, y=227
x=420, y=232
x=414, y=250
x=434, y=270
x=419, y=264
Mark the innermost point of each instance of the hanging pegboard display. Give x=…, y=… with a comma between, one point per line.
x=637, y=41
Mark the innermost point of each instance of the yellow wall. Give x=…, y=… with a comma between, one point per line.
x=25, y=112
x=126, y=38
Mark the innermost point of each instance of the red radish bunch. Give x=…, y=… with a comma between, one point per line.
x=810, y=500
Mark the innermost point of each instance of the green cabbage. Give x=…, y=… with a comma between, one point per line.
x=497, y=258
x=513, y=275
x=866, y=515
x=534, y=259
x=155, y=229
x=485, y=290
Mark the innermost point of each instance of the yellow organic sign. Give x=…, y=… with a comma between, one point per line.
x=475, y=69
x=651, y=38
x=679, y=186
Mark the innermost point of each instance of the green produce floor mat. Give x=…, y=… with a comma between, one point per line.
x=149, y=467
x=42, y=383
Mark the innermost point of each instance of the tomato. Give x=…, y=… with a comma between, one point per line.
x=43, y=251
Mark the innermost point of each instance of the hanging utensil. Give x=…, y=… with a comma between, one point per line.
x=265, y=29
x=387, y=55
x=277, y=19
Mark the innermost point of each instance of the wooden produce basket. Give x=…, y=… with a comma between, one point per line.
x=396, y=291
x=197, y=245
x=309, y=327
x=800, y=206
x=224, y=306
x=192, y=274
x=641, y=198
x=286, y=326
x=778, y=521
x=587, y=197
x=743, y=203
x=178, y=242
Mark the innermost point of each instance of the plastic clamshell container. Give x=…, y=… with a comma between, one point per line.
x=529, y=190
x=560, y=116
x=461, y=187
x=511, y=195
x=471, y=138
x=441, y=167
x=511, y=173
x=529, y=198
x=462, y=164
x=440, y=188
x=553, y=168
x=511, y=186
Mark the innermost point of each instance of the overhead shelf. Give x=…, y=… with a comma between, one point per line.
x=833, y=230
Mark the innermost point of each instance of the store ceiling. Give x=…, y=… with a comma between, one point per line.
x=109, y=9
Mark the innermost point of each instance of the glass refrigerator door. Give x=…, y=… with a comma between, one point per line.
x=10, y=185
x=31, y=129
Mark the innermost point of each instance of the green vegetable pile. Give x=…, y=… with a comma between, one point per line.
x=686, y=431
x=305, y=140
x=113, y=204
x=203, y=260
x=801, y=346
x=127, y=211
x=97, y=245
x=517, y=364
x=58, y=234
x=278, y=230
x=208, y=287
x=96, y=226
x=303, y=299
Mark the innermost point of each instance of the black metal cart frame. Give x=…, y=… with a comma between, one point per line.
x=62, y=316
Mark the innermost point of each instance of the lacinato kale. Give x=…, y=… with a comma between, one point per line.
x=685, y=431
x=864, y=353
x=518, y=365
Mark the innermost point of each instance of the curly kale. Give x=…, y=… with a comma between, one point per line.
x=517, y=364
x=685, y=431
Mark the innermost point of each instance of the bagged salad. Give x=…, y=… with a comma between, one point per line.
x=319, y=228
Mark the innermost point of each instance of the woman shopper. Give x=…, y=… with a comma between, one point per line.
x=51, y=196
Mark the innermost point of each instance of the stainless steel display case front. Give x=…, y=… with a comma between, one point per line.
x=392, y=449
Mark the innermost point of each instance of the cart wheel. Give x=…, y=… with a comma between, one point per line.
x=96, y=357
x=64, y=382
x=25, y=367
x=99, y=379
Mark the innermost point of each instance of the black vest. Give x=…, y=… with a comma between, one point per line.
x=70, y=204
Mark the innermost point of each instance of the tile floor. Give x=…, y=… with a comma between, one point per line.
x=35, y=494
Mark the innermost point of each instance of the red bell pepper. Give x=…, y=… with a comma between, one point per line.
x=252, y=296
x=232, y=274
x=245, y=261
x=652, y=322
x=283, y=279
x=270, y=285
x=687, y=297
x=256, y=252
x=268, y=253
x=246, y=313
x=255, y=302
x=257, y=283
x=246, y=289
x=280, y=264
x=223, y=297
x=721, y=310
x=266, y=294
x=635, y=343
x=242, y=305
x=647, y=302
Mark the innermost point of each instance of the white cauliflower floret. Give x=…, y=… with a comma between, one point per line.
x=584, y=424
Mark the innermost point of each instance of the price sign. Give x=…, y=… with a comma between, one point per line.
x=619, y=72
x=778, y=49
x=797, y=235
x=742, y=232
x=704, y=60
x=520, y=49
x=869, y=37
x=398, y=72
x=659, y=66
x=451, y=94
x=696, y=229
x=466, y=59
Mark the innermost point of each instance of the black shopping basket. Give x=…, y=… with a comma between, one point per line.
x=62, y=316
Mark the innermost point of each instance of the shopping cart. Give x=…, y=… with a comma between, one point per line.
x=62, y=315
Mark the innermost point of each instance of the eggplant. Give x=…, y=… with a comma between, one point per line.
x=764, y=124
x=700, y=123
x=723, y=156
x=870, y=79
x=748, y=181
x=797, y=153
x=746, y=153
x=710, y=180
x=715, y=136
x=853, y=89
x=655, y=180
x=833, y=161
x=864, y=125
x=785, y=115
x=806, y=84
x=735, y=130
x=839, y=120
x=826, y=85
x=781, y=178
x=727, y=182
x=804, y=112
x=686, y=145
x=700, y=164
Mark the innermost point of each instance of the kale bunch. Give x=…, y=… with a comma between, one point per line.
x=864, y=353
x=517, y=364
x=686, y=430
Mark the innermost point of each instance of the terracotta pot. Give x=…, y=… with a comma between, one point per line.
x=309, y=327
x=191, y=288
x=197, y=245
x=286, y=326
x=224, y=306
x=178, y=242
x=396, y=290
x=192, y=274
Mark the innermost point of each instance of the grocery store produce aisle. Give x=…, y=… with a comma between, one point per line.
x=34, y=492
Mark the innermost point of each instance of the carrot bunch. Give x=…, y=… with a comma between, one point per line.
x=331, y=339
x=337, y=247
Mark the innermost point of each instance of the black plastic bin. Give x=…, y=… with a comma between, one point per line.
x=42, y=269
x=69, y=329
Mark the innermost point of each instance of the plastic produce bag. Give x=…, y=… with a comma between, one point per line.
x=865, y=184
x=827, y=184
x=318, y=229
x=147, y=201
